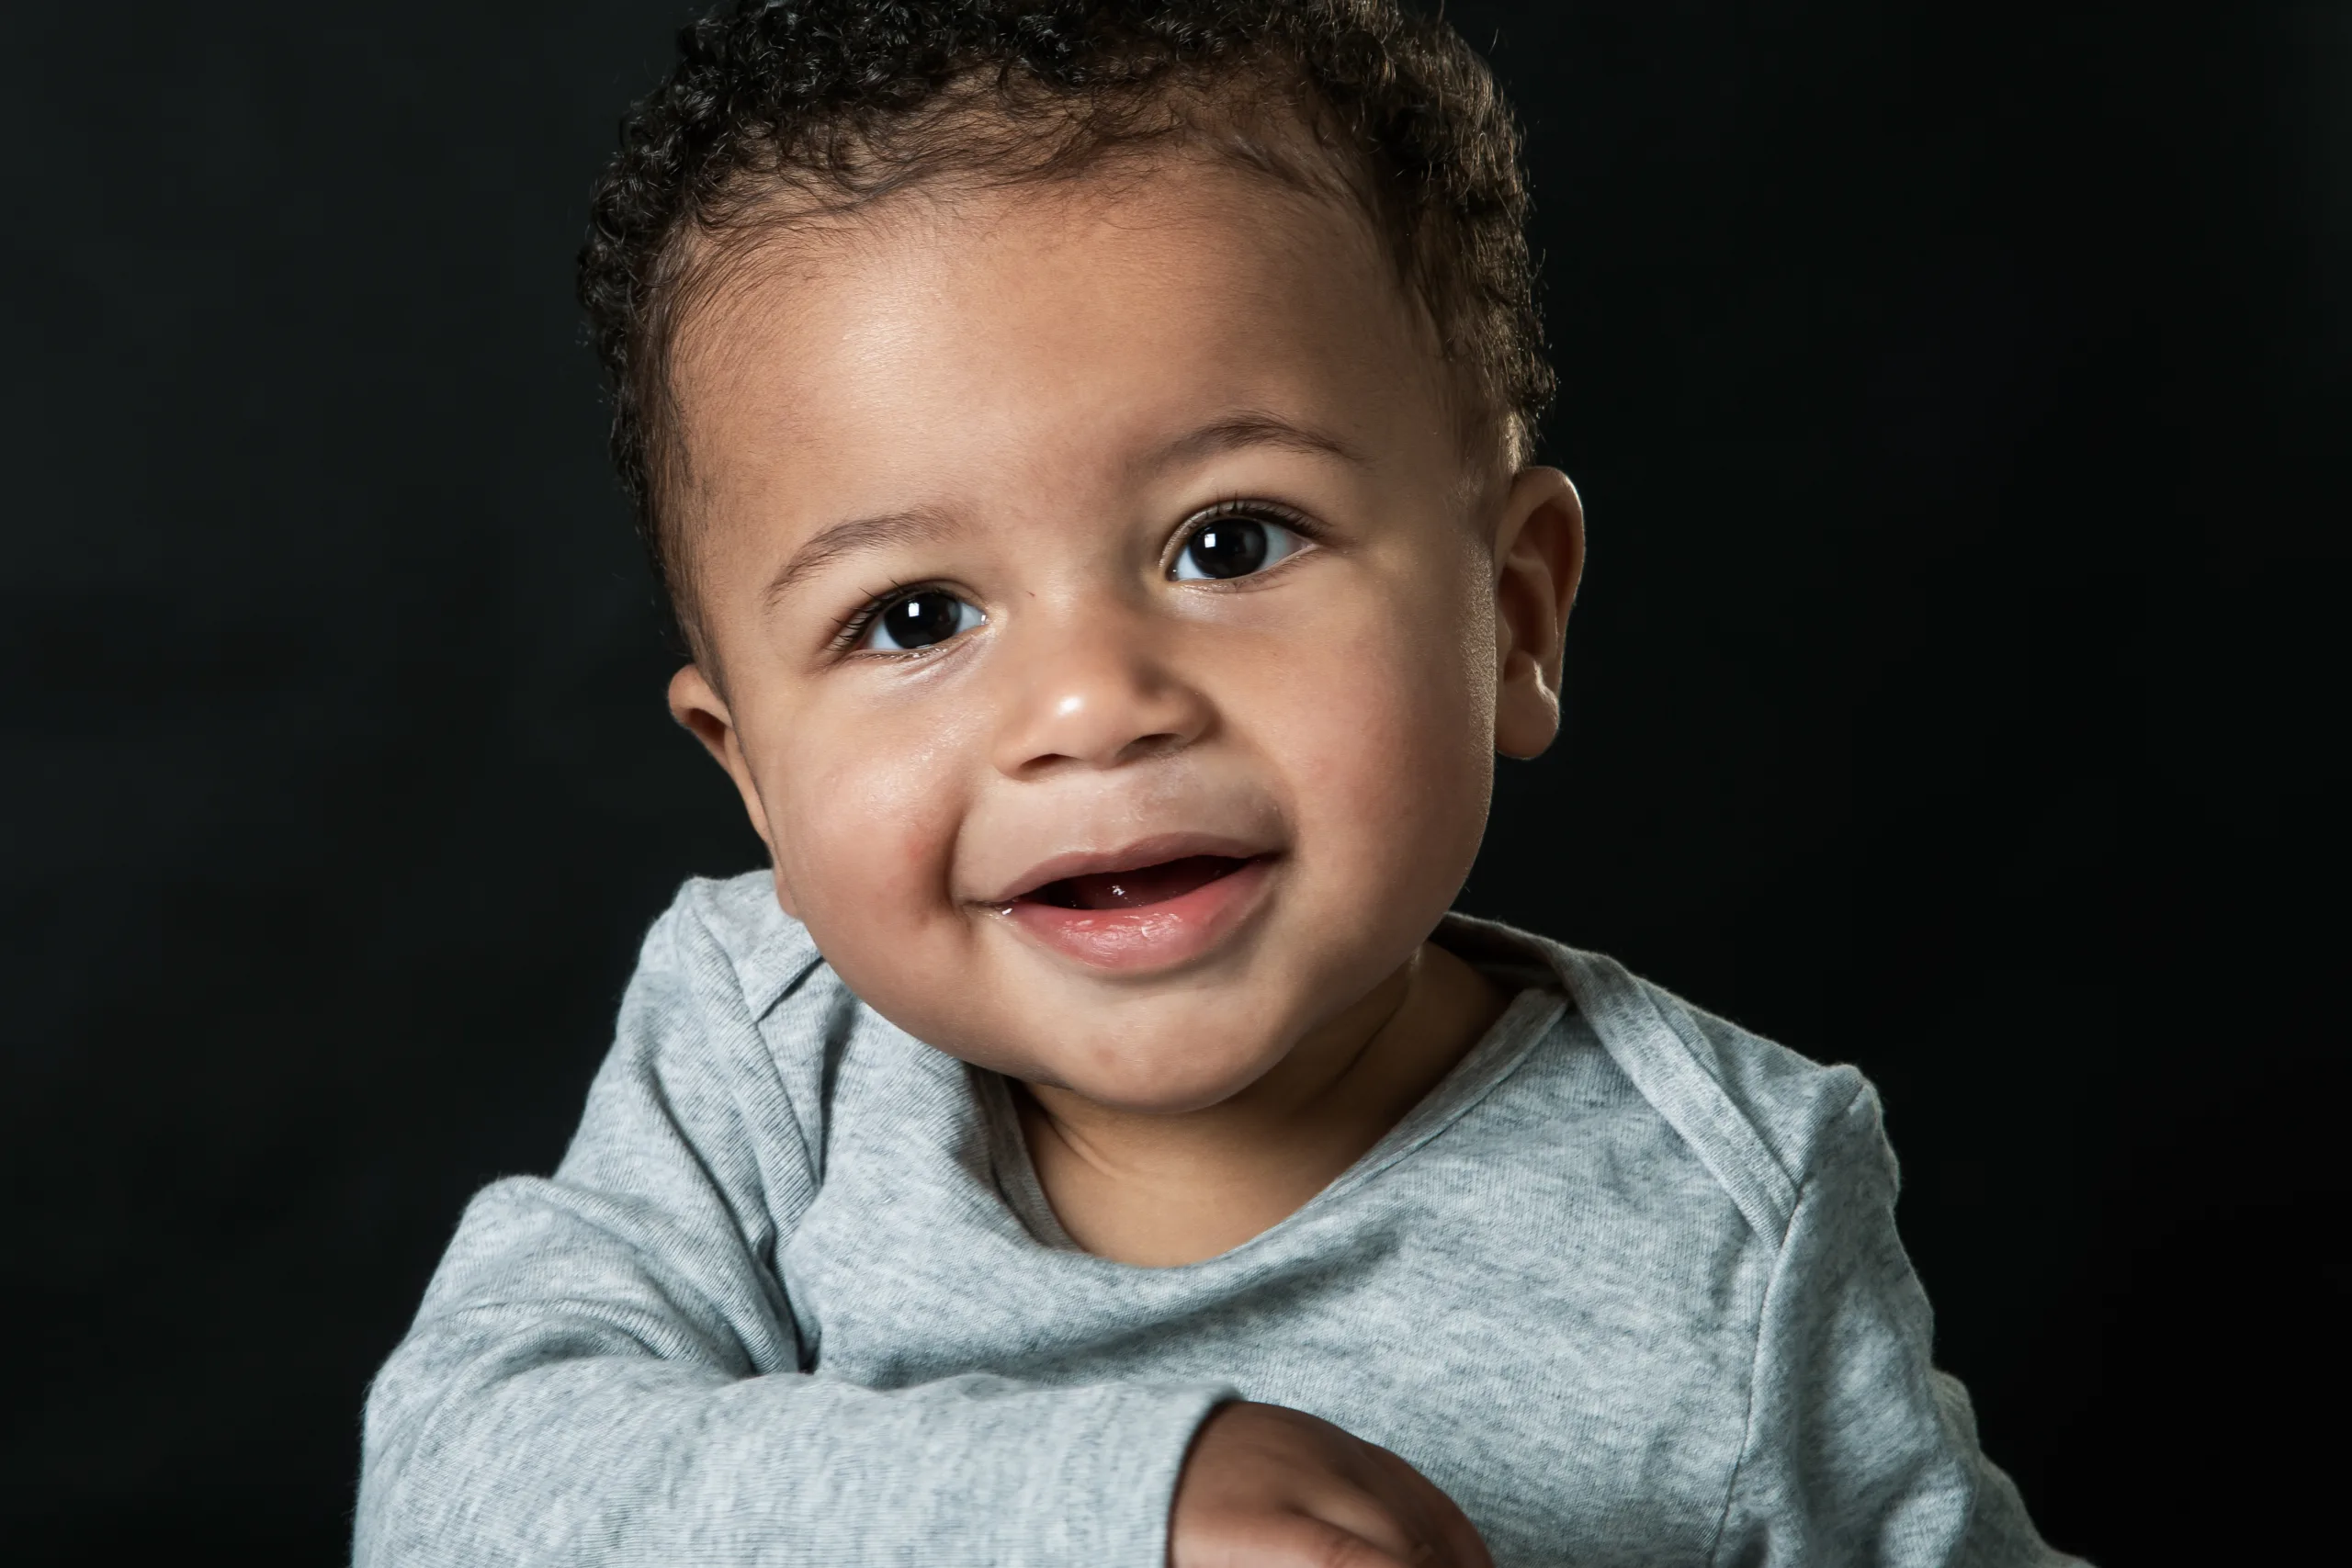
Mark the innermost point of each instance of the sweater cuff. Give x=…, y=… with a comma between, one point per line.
x=1102, y=1500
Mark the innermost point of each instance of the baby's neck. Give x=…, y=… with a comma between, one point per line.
x=1161, y=1190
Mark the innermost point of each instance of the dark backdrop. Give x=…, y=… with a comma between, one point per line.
x=1957, y=392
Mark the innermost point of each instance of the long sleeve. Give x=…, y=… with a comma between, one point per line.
x=1858, y=1450
x=606, y=1369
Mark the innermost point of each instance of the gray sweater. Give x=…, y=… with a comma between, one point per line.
x=1626, y=1285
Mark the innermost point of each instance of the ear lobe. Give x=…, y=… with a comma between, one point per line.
x=699, y=708
x=1539, y=559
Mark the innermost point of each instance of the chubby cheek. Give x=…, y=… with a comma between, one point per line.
x=1389, y=750
x=864, y=836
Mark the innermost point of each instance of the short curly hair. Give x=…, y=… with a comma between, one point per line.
x=779, y=111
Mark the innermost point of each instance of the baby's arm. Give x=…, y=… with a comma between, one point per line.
x=1858, y=1450
x=605, y=1370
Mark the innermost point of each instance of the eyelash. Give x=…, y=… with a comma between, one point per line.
x=1275, y=511
x=847, y=636
x=852, y=630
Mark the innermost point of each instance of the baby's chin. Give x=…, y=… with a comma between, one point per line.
x=1170, y=1056
x=1183, y=1060
x=1150, y=1043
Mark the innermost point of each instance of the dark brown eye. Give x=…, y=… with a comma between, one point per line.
x=1233, y=547
x=921, y=619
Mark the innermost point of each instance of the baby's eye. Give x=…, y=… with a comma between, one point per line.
x=1233, y=547
x=919, y=619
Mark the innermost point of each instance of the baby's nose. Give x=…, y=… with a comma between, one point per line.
x=1096, y=702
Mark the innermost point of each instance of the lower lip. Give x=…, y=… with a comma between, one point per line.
x=1154, y=936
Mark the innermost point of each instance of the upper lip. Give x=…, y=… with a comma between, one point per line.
x=1154, y=851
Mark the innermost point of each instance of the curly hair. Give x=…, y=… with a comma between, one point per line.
x=782, y=110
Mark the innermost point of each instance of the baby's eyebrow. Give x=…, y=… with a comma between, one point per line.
x=924, y=524
x=916, y=525
x=1252, y=428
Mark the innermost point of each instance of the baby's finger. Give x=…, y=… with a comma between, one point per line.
x=1439, y=1517
x=1392, y=1524
x=1302, y=1541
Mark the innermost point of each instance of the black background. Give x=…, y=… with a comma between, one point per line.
x=1958, y=394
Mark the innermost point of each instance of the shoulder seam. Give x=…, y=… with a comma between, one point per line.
x=1669, y=1074
x=755, y=1006
x=1756, y=1351
x=775, y=963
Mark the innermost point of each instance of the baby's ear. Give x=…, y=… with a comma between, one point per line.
x=1539, y=558
x=696, y=704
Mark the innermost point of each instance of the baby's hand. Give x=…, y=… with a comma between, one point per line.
x=1267, y=1487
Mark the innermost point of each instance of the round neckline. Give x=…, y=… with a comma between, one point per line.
x=1528, y=1017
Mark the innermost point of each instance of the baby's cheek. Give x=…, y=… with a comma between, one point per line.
x=868, y=844
x=1392, y=769
x=1393, y=718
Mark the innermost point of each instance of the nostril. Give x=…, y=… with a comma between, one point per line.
x=1157, y=745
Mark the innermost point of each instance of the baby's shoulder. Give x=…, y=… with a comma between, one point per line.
x=1761, y=1118
x=729, y=985
x=728, y=939
x=1795, y=1106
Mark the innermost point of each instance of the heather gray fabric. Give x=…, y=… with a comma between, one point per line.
x=1626, y=1285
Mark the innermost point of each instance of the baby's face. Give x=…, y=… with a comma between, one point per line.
x=1111, y=636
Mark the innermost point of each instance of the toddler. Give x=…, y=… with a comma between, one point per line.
x=1087, y=447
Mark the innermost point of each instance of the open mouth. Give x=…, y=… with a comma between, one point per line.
x=1135, y=888
x=1170, y=909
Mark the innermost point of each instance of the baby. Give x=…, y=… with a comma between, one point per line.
x=1086, y=448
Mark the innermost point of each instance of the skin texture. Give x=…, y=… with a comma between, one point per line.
x=1023, y=397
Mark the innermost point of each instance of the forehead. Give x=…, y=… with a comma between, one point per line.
x=955, y=342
